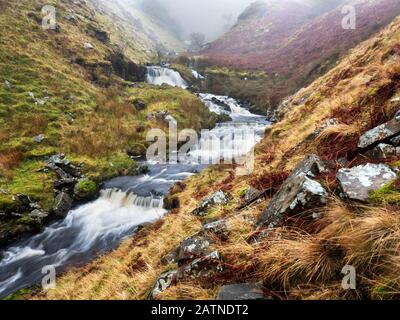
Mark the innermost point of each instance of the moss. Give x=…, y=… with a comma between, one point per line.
x=86, y=186
x=388, y=194
x=23, y=293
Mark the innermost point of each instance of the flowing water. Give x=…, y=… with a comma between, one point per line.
x=126, y=203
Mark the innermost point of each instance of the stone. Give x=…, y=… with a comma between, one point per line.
x=7, y=84
x=298, y=194
x=62, y=204
x=88, y=46
x=243, y=292
x=395, y=141
x=204, y=267
x=217, y=198
x=312, y=166
x=380, y=133
x=164, y=282
x=39, y=138
x=67, y=184
x=357, y=183
x=382, y=151
x=38, y=216
x=219, y=228
x=2, y=191
x=251, y=194
x=192, y=248
x=71, y=17
x=140, y=105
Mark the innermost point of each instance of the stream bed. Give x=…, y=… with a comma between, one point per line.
x=125, y=203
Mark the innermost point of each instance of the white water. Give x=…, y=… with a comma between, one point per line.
x=125, y=204
x=159, y=75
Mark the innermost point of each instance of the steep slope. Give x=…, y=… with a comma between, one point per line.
x=301, y=258
x=70, y=90
x=294, y=43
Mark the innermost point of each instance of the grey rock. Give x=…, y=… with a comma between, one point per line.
x=312, y=166
x=357, y=183
x=204, y=267
x=217, y=198
x=67, y=184
x=298, y=194
x=380, y=133
x=251, y=194
x=395, y=141
x=39, y=138
x=382, y=151
x=219, y=228
x=62, y=204
x=192, y=248
x=2, y=191
x=38, y=216
x=243, y=292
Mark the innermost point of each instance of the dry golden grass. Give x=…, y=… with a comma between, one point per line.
x=300, y=264
x=8, y=161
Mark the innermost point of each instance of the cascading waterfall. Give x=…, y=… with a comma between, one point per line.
x=87, y=231
x=159, y=75
x=127, y=202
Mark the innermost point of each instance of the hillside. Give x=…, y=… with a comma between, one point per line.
x=74, y=90
x=294, y=43
x=293, y=254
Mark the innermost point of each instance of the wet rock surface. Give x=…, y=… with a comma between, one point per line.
x=244, y=291
x=357, y=183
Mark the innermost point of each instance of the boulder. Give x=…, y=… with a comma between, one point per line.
x=243, y=292
x=85, y=189
x=192, y=248
x=219, y=228
x=217, y=198
x=357, y=183
x=62, y=204
x=380, y=133
x=204, y=267
x=382, y=151
x=298, y=194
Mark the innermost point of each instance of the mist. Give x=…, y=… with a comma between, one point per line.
x=209, y=17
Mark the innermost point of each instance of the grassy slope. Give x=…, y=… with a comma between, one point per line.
x=89, y=113
x=292, y=46
x=299, y=261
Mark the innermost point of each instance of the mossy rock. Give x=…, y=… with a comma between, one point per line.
x=85, y=189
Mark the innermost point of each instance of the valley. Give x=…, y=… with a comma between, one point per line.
x=311, y=109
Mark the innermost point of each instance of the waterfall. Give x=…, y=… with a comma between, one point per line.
x=87, y=231
x=159, y=75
